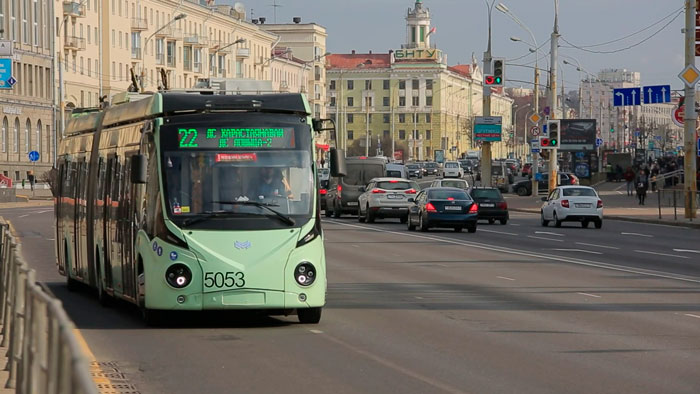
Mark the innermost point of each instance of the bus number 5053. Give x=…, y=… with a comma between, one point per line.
x=224, y=279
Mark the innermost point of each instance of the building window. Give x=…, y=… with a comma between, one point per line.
x=402, y=101
x=350, y=134
x=428, y=134
x=5, y=125
x=402, y=118
x=385, y=84
x=13, y=21
x=38, y=136
x=197, y=55
x=15, y=143
x=402, y=84
x=332, y=85
x=385, y=101
x=429, y=101
x=386, y=134
x=332, y=101
x=368, y=101
x=351, y=85
x=422, y=34
x=35, y=22
x=2, y=18
x=415, y=83
x=415, y=101
x=349, y=118
x=428, y=118
x=429, y=84
x=368, y=84
x=386, y=118
x=27, y=136
x=25, y=27
x=187, y=58
x=402, y=134
x=351, y=101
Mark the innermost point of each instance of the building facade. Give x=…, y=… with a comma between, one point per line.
x=408, y=102
x=26, y=109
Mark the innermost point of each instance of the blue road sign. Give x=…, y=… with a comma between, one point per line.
x=636, y=133
x=598, y=142
x=627, y=96
x=33, y=156
x=698, y=152
x=633, y=145
x=544, y=129
x=535, y=150
x=657, y=94
x=6, y=73
x=658, y=137
x=580, y=155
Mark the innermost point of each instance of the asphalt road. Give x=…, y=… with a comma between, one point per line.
x=510, y=309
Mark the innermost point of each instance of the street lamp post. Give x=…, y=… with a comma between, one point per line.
x=515, y=125
x=145, y=45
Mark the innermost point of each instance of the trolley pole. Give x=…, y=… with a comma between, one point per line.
x=690, y=184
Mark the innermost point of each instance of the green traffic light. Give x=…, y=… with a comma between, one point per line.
x=498, y=80
x=552, y=142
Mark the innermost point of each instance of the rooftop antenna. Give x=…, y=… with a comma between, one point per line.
x=275, y=6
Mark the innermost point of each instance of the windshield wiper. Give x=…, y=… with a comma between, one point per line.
x=286, y=219
x=207, y=215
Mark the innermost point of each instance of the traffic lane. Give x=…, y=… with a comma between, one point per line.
x=487, y=317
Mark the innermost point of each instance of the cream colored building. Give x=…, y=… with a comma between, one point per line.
x=26, y=110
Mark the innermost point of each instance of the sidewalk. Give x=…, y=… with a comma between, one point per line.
x=26, y=204
x=4, y=373
x=617, y=205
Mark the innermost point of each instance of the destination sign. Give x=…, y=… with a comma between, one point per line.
x=232, y=138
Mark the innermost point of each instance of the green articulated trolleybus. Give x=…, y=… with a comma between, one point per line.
x=195, y=201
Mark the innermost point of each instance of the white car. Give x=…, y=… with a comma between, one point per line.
x=386, y=198
x=452, y=169
x=458, y=183
x=572, y=204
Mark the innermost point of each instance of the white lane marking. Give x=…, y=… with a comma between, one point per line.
x=577, y=250
x=591, y=295
x=496, y=248
x=638, y=235
x=549, y=233
x=50, y=239
x=504, y=277
x=316, y=331
x=661, y=254
x=596, y=246
x=355, y=246
x=498, y=232
x=418, y=298
x=619, y=192
x=691, y=315
x=546, y=239
x=51, y=210
x=620, y=187
x=515, y=224
x=24, y=216
x=686, y=251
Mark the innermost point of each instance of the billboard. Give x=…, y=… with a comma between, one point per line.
x=439, y=155
x=487, y=128
x=577, y=135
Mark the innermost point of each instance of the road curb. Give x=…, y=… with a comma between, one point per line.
x=626, y=219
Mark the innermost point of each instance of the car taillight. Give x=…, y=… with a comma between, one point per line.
x=450, y=198
x=565, y=203
x=323, y=192
x=411, y=191
x=393, y=181
x=430, y=207
x=600, y=204
x=503, y=205
x=378, y=191
x=474, y=208
x=340, y=191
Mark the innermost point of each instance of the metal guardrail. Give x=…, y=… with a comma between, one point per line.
x=674, y=198
x=43, y=355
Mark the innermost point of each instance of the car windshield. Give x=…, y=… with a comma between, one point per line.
x=496, y=170
x=486, y=193
x=579, y=192
x=431, y=165
x=456, y=183
x=448, y=194
x=362, y=173
x=394, y=174
x=451, y=165
x=397, y=185
x=412, y=166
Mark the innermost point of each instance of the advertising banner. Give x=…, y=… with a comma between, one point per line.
x=439, y=156
x=577, y=135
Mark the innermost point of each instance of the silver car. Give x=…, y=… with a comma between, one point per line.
x=458, y=183
x=386, y=198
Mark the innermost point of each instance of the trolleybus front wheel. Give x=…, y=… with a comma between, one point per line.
x=309, y=315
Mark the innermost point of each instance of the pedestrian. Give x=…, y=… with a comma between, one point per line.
x=629, y=178
x=642, y=183
x=654, y=174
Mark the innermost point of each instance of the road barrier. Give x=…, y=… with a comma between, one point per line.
x=43, y=355
x=674, y=198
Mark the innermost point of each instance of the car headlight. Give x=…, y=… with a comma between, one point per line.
x=178, y=276
x=305, y=274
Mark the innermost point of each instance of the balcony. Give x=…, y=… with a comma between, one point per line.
x=74, y=9
x=243, y=53
x=196, y=40
x=284, y=86
x=139, y=24
x=136, y=54
x=216, y=45
x=187, y=65
x=75, y=43
x=197, y=67
x=170, y=32
x=160, y=58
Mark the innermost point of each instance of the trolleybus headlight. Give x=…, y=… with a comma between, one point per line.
x=305, y=274
x=178, y=276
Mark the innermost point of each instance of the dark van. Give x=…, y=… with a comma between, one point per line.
x=343, y=193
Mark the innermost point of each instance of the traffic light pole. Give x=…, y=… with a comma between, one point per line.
x=553, y=176
x=486, y=147
x=690, y=184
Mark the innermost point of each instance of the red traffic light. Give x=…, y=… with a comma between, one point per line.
x=544, y=142
x=490, y=80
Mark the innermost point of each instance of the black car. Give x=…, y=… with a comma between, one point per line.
x=492, y=205
x=414, y=170
x=443, y=207
x=322, y=191
x=524, y=188
x=431, y=168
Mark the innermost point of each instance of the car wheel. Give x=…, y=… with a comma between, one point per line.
x=544, y=221
x=328, y=212
x=557, y=222
x=369, y=215
x=492, y=221
x=423, y=225
x=599, y=223
x=504, y=221
x=584, y=224
x=411, y=226
x=458, y=229
x=360, y=216
x=521, y=191
x=471, y=228
x=403, y=219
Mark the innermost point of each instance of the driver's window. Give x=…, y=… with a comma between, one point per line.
x=551, y=195
x=420, y=197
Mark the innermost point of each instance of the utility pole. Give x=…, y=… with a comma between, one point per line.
x=690, y=184
x=367, y=137
x=486, y=147
x=553, y=176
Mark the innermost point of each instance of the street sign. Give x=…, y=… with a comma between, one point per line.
x=6, y=48
x=33, y=156
x=598, y=142
x=535, y=131
x=546, y=111
x=6, y=73
x=698, y=151
x=658, y=137
x=535, y=118
x=544, y=129
x=677, y=115
x=690, y=75
x=627, y=96
x=657, y=94
x=580, y=155
x=487, y=128
x=636, y=133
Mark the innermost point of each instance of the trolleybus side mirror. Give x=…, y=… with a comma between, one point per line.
x=139, y=168
x=338, y=167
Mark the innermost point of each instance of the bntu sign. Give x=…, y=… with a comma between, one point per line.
x=417, y=54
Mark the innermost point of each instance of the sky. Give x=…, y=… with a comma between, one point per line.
x=462, y=27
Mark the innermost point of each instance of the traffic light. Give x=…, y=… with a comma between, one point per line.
x=551, y=141
x=612, y=129
x=498, y=70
